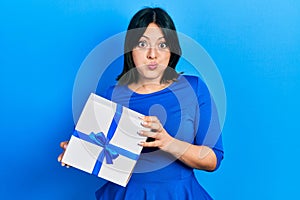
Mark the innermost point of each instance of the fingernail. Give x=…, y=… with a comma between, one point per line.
x=144, y=123
x=62, y=164
x=140, y=132
x=65, y=146
x=141, y=143
x=141, y=117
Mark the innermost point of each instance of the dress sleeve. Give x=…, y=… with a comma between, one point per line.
x=208, y=127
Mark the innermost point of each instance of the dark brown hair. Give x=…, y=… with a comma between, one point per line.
x=136, y=29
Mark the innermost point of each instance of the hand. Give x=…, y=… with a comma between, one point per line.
x=157, y=131
x=63, y=145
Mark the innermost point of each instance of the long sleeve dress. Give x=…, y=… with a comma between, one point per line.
x=188, y=113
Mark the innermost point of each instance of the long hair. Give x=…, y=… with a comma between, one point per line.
x=136, y=29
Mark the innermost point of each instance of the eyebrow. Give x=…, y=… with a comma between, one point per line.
x=162, y=37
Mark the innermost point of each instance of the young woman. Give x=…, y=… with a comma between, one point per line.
x=180, y=113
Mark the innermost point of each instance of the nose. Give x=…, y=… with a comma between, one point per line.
x=152, y=54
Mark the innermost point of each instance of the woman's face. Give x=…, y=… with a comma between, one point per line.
x=151, y=56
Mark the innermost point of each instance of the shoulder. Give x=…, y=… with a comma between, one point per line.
x=197, y=83
x=193, y=80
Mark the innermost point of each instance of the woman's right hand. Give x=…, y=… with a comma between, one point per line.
x=63, y=145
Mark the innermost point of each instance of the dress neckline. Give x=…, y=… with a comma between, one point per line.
x=156, y=92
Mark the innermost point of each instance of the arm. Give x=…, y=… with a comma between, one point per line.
x=207, y=151
x=199, y=157
x=196, y=156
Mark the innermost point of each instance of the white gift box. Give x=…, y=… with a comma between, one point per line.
x=105, y=140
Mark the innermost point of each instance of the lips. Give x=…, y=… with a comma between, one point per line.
x=152, y=66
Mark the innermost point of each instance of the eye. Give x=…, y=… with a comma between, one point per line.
x=142, y=44
x=163, y=45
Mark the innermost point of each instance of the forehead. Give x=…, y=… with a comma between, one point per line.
x=153, y=32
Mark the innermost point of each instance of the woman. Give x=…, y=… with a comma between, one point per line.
x=185, y=132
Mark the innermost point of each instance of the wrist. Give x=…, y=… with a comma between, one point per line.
x=177, y=147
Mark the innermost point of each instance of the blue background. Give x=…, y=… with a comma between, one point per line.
x=255, y=44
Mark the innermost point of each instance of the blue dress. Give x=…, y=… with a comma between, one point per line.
x=187, y=112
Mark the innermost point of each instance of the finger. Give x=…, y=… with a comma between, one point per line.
x=148, y=134
x=153, y=123
x=59, y=158
x=65, y=165
x=151, y=119
x=64, y=144
x=149, y=144
x=155, y=126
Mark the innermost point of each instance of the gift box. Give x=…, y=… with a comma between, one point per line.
x=105, y=140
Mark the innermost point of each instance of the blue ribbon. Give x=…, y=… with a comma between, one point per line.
x=109, y=151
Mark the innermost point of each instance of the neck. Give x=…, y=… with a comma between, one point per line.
x=145, y=81
x=146, y=87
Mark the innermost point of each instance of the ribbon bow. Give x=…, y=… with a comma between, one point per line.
x=107, y=151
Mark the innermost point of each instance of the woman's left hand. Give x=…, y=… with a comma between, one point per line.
x=157, y=131
x=200, y=157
